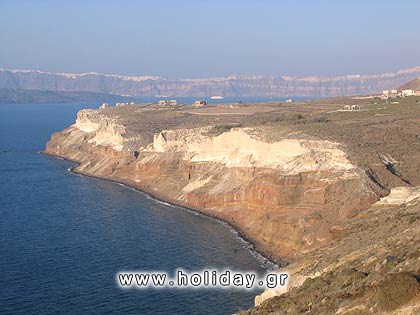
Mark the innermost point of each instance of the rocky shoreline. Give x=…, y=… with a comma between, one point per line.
x=265, y=256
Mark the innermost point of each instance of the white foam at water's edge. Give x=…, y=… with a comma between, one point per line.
x=266, y=263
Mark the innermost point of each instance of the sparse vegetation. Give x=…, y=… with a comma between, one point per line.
x=219, y=129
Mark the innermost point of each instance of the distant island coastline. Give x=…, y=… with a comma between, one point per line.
x=241, y=86
x=21, y=96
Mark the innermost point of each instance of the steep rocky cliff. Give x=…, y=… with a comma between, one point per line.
x=371, y=267
x=231, y=86
x=333, y=193
x=285, y=195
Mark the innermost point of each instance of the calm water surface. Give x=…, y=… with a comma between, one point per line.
x=63, y=236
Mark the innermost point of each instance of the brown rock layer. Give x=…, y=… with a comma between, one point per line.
x=284, y=211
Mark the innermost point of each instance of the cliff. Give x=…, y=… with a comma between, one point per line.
x=292, y=184
x=231, y=86
x=371, y=267
x=306, y=183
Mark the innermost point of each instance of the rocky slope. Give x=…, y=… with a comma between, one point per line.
x=231, y=86
x=307, y=185
x=371, y=267
x=412, y=85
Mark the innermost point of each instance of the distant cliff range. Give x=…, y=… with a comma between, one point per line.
x=230, y=86
x=26, y=96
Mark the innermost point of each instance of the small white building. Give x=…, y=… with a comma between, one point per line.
x=121, y=104
x=200, y=103
x=408, y=92
x=386, y=94
x=104, y=105
x=167, y=103
x=163, y=103
x=352, y=108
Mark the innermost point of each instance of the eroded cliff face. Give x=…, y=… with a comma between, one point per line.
x=230, y=86
x=334, y=193
x=284, y=195
x=371, y=266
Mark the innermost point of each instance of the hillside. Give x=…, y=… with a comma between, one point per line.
x=231, y=86
x=412, y=85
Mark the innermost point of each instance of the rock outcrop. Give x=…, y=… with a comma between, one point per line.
x=371, y=267
x=283, y=195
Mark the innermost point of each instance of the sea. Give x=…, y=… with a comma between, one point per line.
x=64, y=237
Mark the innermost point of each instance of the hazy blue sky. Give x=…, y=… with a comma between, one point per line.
x=186, y=38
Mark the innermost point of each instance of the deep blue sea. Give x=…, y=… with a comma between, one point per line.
x=63, y=237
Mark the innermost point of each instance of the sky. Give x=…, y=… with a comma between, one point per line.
x=199, y=38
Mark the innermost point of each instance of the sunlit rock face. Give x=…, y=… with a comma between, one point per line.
x=284, y=195
x=240, y=148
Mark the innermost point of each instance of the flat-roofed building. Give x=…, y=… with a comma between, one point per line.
x=163, y=103
x=408, y=92
x=200, y=103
